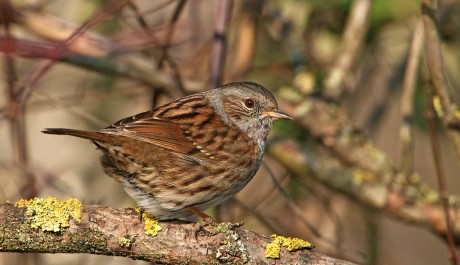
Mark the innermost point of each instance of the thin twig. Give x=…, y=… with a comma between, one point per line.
x=148, y=11
x=293, y=207
x=141, y=21
x=164, y=54
x=63, y=104
x=300, y=181
x=224, y=8
x=440, y=172
x=26, y=89
x=436, y=67
x=297, y=211
x=16, y=118
x=19, y=95
x=262, y=219
x=353, y=38
x=15, y=112
x=408, y=88
x=374, y=229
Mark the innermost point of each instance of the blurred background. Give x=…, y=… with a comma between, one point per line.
x=354, y=173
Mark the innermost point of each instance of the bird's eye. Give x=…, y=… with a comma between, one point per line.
x=249, y=103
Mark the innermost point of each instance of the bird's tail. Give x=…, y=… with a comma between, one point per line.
x=78, y=133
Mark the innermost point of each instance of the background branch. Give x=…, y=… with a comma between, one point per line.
x=435, y=64
x=350, y=163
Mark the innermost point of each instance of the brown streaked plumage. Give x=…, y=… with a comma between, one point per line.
x=190, y=154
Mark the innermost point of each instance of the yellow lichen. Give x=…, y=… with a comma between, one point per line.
x=438, y=106
x=151, y=226
x=456, y=113
x=362, y=176
x=273, y=249
x=51, y=214
x=293, y=244
x=375, y=154
x=124, y=242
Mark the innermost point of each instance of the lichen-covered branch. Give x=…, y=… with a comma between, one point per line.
x=349, y=162
x=449, y=114
x=123, y=232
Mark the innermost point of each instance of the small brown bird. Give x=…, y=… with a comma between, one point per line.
x=190, y=154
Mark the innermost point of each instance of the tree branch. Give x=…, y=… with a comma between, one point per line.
x=120, y=232
x=450, y=111
x=353, y=38
x=350, y=163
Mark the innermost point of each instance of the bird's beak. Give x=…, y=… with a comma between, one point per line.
x=276, y=115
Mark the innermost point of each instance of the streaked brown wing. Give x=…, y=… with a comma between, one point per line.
x=160, y=132
x=165, y=125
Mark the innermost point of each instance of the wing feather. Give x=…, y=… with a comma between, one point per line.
x=159, y=132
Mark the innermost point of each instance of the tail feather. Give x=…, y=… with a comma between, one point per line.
x=78, y=133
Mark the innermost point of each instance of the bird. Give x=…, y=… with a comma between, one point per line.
x=190, y=154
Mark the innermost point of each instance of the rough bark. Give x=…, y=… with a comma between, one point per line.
x=120, y=232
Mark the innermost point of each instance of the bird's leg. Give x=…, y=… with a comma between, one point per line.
x=140, y=212
x=206, y=218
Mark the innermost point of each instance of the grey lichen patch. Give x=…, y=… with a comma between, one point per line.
x=51, y=214
x=232, y=247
